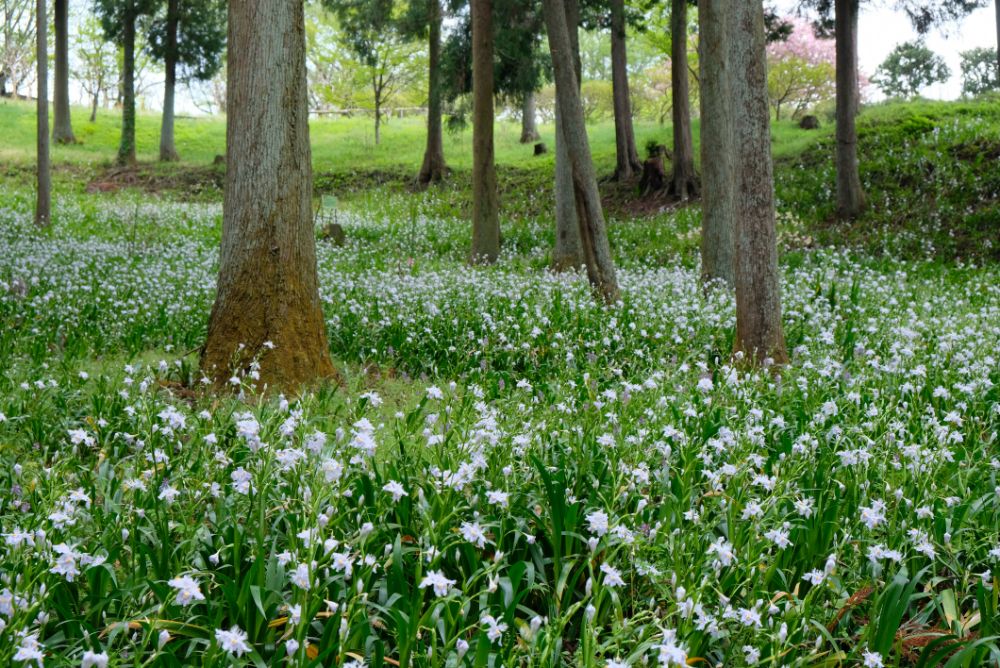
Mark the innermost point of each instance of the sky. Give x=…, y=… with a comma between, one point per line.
x=880, y=29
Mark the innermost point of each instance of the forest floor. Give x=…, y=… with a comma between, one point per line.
x=510, y=473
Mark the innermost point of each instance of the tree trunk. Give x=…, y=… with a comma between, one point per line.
x=759, y=334
x=485, y=214
x=685, y=180
x=529, y=131
x=433, y=168
x=378, y=119
x=996, y=7
x=590, y=218
x=93, y=109
x=62, y=128
x=268, y=290
x=126, y=149
x=715, y=27
x=168, y=151
x=43, y=203
x=627, y=161
x=850, y=196
x=568, y=251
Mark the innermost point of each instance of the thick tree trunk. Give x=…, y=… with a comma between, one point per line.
x=850, y=196
x=718, y=221
x=590, y=218
x=43, y=202
x=168, y=151
x=433, y=168
x=627, y=162
x=685, y=180
x=268, y=290
x=62, y=128
x=568, y=251
x=126, y=149
x=529, y=130
x=759, y=335
x=485, y=210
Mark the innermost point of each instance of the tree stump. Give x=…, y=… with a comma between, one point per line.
x=654, y=176
x=334, y=233
x=809, y=122
x=541, y=148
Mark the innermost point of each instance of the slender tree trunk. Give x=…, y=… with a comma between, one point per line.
x=685, y=180
x=568, y=251
x=850, y=196
x=485, y=208
x=93, y=109
x=590, y=218
x=268, y=290
x=759, y=335
x=529, y=130
x=43, y=203
x=996, y=7
x=627, y=162
x=433, y=168
x=168, y=152
x=715, y=27
x=378, y=119
x=126, y=149
x=62, y=128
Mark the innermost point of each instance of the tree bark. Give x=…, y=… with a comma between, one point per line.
x=627, y=162
x=168, y=152
x=717, y=140
x=126, y=149
x=268, y=290
x=378, y=119
x=996, y=7
x=62, y=127
x=529, y=130
x=850, y=196
x=43, y=202
x=759, y=335
x=590, y=218
x=485, y=209
x=685, y=180
x=433, y=168
x=568, y=251
x=93, y=109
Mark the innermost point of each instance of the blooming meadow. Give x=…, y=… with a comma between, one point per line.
x=510, y=475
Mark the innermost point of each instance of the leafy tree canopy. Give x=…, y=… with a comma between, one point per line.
x=910, y=68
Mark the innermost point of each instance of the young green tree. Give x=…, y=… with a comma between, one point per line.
x=119, y=19
x=267, y=309
x=980, y=71
x=909, y=68
x=62, y=126
x=96, y=70
x=188, y=37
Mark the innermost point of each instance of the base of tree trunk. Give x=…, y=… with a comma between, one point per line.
x=169, y=156
x=429, y=175
x=564, y=263
x=654, y=177
x=530, y=136
x=622, y=174
x=64, y=139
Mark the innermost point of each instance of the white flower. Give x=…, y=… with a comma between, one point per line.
x=670, y=652
x=597, y=522
x=612, y=576
x=66, y=563
x=494, y=628
x=29, y=650
x=872, y=659
x=233, y=641
x=187, y=590
x=300, y=576
x=396, y=489
x=498, y=498
x=94, y=660
x=473, y=533
x=814, y=577
x=438, y=581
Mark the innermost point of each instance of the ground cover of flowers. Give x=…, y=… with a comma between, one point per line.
x=512, y=475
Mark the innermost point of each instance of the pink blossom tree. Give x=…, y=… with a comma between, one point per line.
x=801, y=69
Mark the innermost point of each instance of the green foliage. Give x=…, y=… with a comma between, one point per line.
x=908, y=69
x=980, y=71
x=201, y=37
